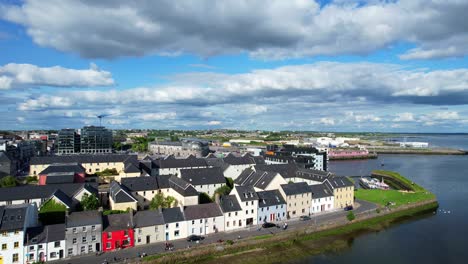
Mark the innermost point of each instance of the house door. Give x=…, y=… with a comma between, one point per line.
x=61, y=253
x=98, y=247
x=167, y=235
x=117, y=244
x=148, y=239
x=322, y=208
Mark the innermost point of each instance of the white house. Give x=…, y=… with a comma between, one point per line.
x=322, y=198
x=149, y=227
x=271, y=206
x=249, y=203
x=44, y=243
x=14, y=221
x=233, y=214
x=175, y=226
x=234, y=166
x=204, y=219
x=205, y=180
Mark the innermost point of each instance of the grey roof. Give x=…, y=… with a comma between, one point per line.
x=203, y=176
x=116, y=222
x=172, y=215
x=229, y=203
x=320, y=191
x=120, y=194
x=286, y=170
x=189, y=162
x=45, y=234
x=84, y=218
x=314, y=175
x=83, y=158
x=12, y=217
x=216, y=162
x=63, y=168
x=4, y=157
x=135, y=184
x=270, y=198
x=338, y=182
x=243, y=160
x=65, y=199
x=131, y=168
x=200, y=211
x=181, y=186
x=60, y=177
x=43, y=191
x=148, y=218
x=259, y=179
x=246, y=193
x=295, y=188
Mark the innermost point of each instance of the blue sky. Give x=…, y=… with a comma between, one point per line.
x=397, y=66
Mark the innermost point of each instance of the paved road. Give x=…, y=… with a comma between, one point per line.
x=157, y=248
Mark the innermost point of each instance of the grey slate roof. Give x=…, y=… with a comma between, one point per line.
x=338, y=182
x=314, y=175
x=203, y=176
x=148, y=218
x=116, y=222
x=229, y=203
x=244, y=160
x=43, y=191
x=45, y=234
x=135, y=184
x=172, y=215
x=12, y=217
x=320, y=191
x=131, y=168
x=4, y=157
x=181, y=186
x=85, y=158
x=295, y=188
x=246, y=193
x=60, y=177
x=285, y=170
x=84, y=218
x=259, y=179
x=63, y=168
x=270, y=198
x=189, y=162
x=65, y=199
x=201, y=211
x=120, y=194
x=245, y=174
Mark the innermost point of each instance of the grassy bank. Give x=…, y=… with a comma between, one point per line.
x=288, y=246
x=415, y=194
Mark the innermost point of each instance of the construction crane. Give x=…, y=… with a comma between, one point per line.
x=100, y=118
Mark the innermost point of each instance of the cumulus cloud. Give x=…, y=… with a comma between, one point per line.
x=157, y=116
x=126, y=28
x=214, y=123
x=327, y=121
x=15, y=75
x=404, y=117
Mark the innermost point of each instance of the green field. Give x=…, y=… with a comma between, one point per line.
x=382, y=197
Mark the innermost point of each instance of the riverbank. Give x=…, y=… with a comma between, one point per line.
x=424, y=151
x=310, y=240
x=359, y=157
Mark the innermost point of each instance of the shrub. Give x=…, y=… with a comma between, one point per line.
x=350, y=216
x=8, y=181
x=229, y=242
x=109, y=212
x=377, y=210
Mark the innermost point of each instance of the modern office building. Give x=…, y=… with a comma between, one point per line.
x=68, y=142
x=96, y=140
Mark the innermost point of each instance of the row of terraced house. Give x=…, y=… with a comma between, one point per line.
x=261, y=193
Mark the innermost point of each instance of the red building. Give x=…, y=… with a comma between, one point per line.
x=117, y=232
x=62, y=173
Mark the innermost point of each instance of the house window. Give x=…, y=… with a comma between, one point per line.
x=83, y=239
x=229, y=214
x=83, y=249
x=109, y=234
x=70, y=251
x=252, y=211
x=108, y=245
x=84, y=228
x=74, y=240
x=125, y=232
x=39, y=247
x=227, y=223
x=31, y=257
x=53, y=254
x=90, y=248
x=176, y=233
x=235, y=213
x=31, y=248
x=93, y=228
x=177, y=225
x=16, y=245
x=15, y=257
x=201, y=221
x=74, y=230
x=193, y=222
x=57, y=244
x=4, y=246
x=246, y=211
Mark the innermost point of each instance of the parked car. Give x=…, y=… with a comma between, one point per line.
x=268, y=225
x=348, y=208
x=304, y=218
x=193, y=238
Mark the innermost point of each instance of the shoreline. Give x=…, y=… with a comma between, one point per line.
x=326, y=237
x=421, y=151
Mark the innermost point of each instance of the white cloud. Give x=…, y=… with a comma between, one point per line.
x=157, y=116
x=404, y=117
x=214, y=123
x=360, y=118
x=20, y=119
x=450, y=115
x=327, y=121
x=15, y=75
x=126, y=28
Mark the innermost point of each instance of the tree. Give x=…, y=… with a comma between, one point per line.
x=223, y=190
x=89, y=202
x=350, y=216
x=229, y=182
x=204, y=198
x=159, y=201
x=8, y=181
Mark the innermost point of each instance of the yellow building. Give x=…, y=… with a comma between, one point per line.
x=343, y=191
x=120, y=198
x=298, y=198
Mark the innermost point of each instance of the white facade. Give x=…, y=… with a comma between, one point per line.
x=233, y=171
x=274, y=213
x=234, y=220
x=207, y=188
x=176, y=230
x=11, y=247
x=322, y=204
x=50, y=251
x=149, y=234
x=205, y=226
x=249, y=209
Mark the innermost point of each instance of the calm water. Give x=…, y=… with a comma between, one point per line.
x=440, y=238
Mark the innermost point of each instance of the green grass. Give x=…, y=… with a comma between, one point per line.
x=382, y=197
x=400, y=178
x=263, y=237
